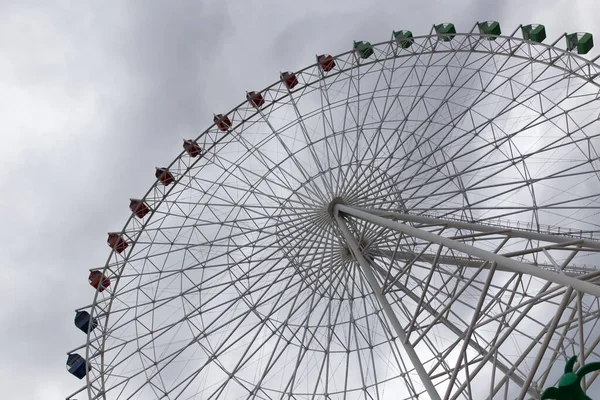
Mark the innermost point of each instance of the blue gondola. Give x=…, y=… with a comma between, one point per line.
x=82, y=321
x=76, y=366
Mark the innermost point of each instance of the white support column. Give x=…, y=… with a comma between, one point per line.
x=508, y=372
x=544, y=237
x=544, y=345
x=387, y=308
x=513, y=265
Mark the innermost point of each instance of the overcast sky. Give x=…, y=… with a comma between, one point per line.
x=94, y=95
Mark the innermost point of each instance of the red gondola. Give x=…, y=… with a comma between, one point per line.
x=255, y=99
x=326, y=61
x=192, y=148
x=289, y=78
x=98, y=280
x=117, y=242
x=164, y=176
x=222, y=122
x=139, y=208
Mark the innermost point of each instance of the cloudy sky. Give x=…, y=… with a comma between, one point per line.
x=94, y=95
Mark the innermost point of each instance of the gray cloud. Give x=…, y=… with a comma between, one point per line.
x=94, y=96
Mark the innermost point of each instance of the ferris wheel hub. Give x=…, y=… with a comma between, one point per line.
x=331, y=206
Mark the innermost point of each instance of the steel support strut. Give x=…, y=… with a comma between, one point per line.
x=525, y=234
x=367, y=271
x=508, y=263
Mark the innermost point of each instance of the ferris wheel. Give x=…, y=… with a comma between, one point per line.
x=413, y=219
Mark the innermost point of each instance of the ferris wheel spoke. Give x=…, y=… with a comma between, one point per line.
x=288, y=251
x=172, y=357
x=353, y=114
x=242, y=361
x=516, y=186
x=449, y=195
x=270, y=364
x=348, y=114
x=302, y=349
x=246, y=173
x=206, y=333
x=290, y=154
x=355, y=119
x=303, y=201
x=205, y=223
x=551, y=146
x=307, y=138
x=504, y=111
x=187, y=247
x=445, y=101
x=356, y=116
x=265, y=160
x=510, y=160
x=329, y=129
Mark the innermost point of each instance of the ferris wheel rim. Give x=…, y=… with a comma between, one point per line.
x=323, y=77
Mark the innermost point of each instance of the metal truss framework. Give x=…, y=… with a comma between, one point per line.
x=588, y=284
x=248, y=281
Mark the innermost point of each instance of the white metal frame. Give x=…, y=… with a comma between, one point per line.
x=414, y=238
